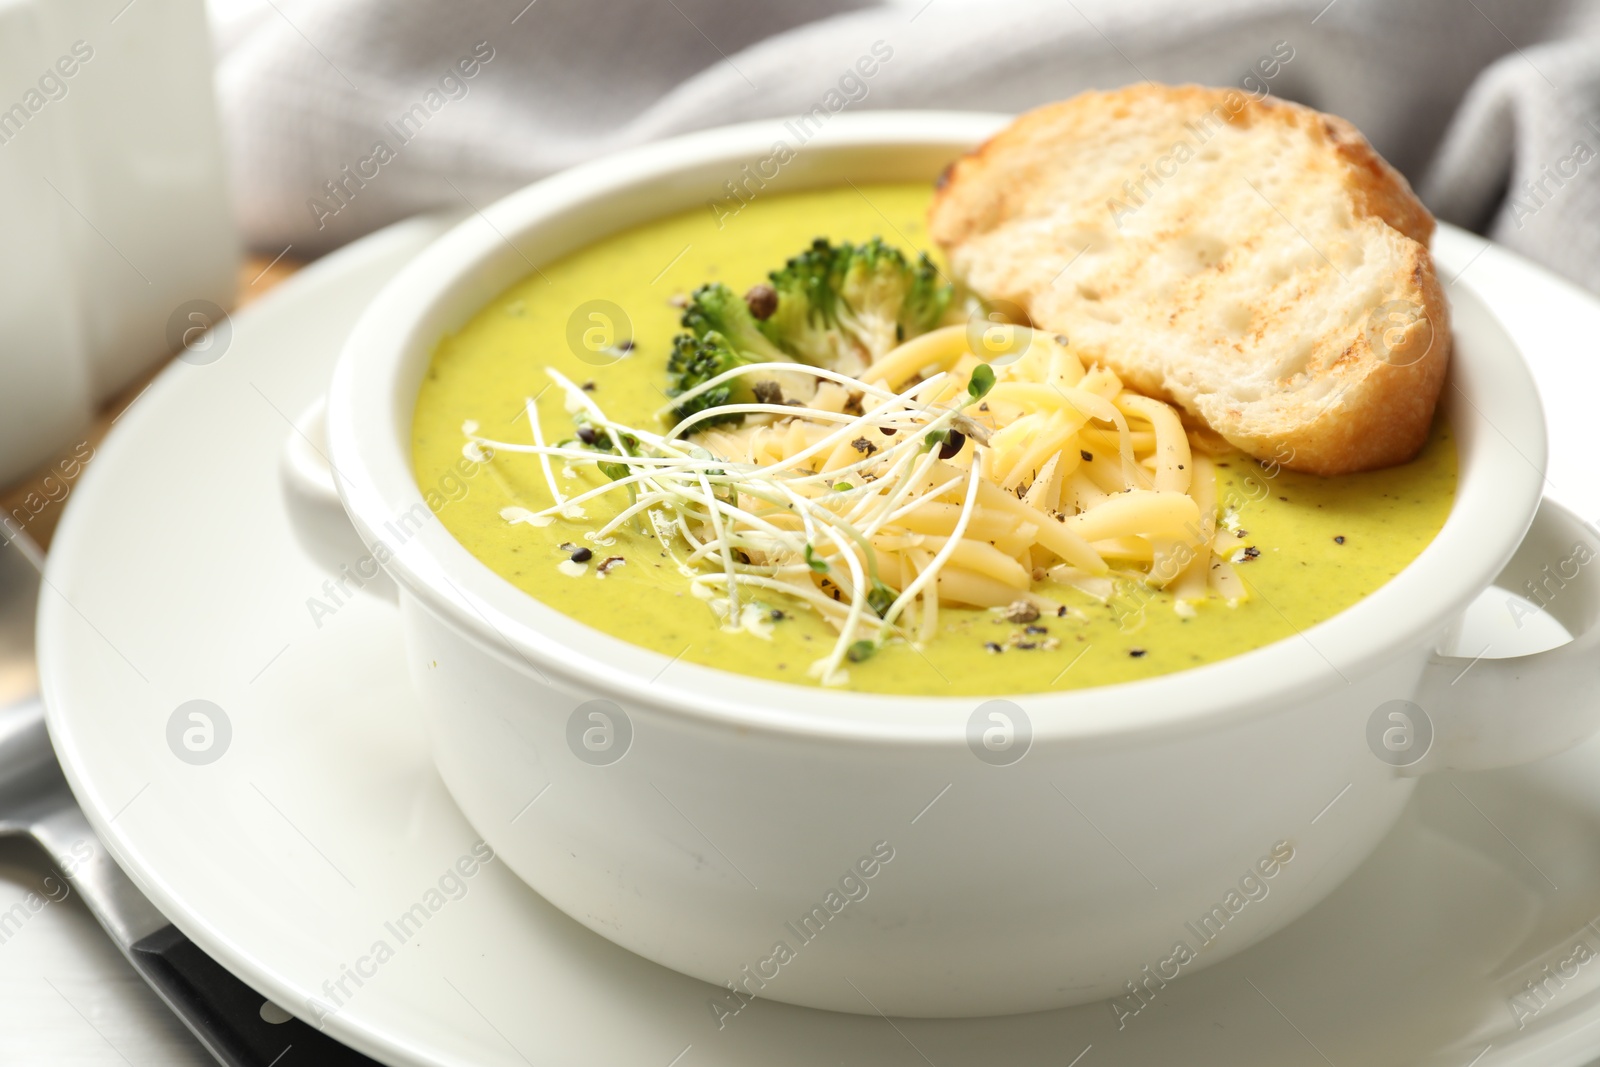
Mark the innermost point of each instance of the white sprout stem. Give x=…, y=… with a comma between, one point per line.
x=592, y=409
x=689, y=539
x=664, y=527
x=589, y=455
x=807, y=513
x=912, y=444
x=832, y=440
x=857, y=601
x=903, y=472
x=687, y=464
x=773, y=568
x=833, y=528
x=891, y=513
x=632, y=479
x=575, y=392
x=824, y=604
x=751, y=368
x=645, y=501
x=727, y=554
x=839, y=522
x=544, y=459
x=922, y=498
x=877, y=417
x=681, y=469
x=735, y=512
x=757, y=409
x=930, y=573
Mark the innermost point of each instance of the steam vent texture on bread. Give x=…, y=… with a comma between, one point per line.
x=1253, y=261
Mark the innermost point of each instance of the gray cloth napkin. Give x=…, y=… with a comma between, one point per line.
x=345, y=115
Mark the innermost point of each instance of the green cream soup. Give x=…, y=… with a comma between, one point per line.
x=1315, y=546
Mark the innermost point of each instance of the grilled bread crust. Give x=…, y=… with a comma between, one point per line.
x=1254, y=262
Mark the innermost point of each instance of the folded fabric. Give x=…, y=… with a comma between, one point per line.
x=345, y=115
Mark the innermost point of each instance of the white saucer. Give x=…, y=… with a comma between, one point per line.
x=175, y=577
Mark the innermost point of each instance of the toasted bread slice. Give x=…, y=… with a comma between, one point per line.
x=1255, y=262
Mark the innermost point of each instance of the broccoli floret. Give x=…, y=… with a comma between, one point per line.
x=884, y=300
x=845, y=306
x=715, y=308
x=806, y=322
x=699, y=359
x=695, y=360
x=723, y=335
x=835, y=306
x=927, y=301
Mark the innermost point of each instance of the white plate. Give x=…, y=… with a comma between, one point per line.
x=175, y=577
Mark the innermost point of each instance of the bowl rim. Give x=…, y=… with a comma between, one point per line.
x=1501, y=474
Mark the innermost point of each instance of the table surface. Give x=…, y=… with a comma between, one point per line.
x=67, y=997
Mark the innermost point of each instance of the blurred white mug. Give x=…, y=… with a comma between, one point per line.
x=118, y=238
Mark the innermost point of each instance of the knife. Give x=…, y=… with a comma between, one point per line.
x=237, y=1025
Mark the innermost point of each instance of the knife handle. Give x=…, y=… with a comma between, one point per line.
x=229, y=1017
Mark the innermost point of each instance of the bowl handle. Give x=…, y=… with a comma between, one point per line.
x=317, y=514
x=1487, y=713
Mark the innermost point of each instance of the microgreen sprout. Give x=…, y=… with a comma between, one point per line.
x=738, y=527
x=861, y=650
x=948, y=442
x=980, y=383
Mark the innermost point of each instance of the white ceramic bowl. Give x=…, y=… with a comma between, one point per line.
x=1139, y=817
